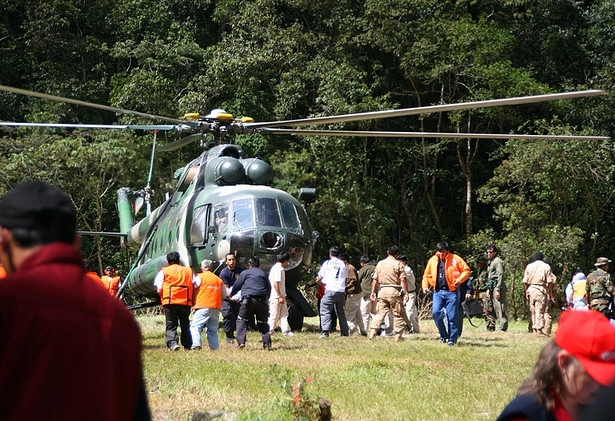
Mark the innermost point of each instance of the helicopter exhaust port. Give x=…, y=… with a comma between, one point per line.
x=271, y=241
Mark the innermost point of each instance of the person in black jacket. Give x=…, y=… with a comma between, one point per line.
x=255, y=290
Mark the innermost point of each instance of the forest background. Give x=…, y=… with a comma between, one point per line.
x=285, y=59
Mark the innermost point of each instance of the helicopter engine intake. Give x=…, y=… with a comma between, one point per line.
x=230, y=171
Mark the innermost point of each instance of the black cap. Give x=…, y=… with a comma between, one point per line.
x=38, y=206
x=109, y=268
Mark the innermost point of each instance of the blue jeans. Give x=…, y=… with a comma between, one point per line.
x=210, y=319
x=446, y=301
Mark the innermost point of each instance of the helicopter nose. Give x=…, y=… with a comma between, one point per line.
x=271, y=240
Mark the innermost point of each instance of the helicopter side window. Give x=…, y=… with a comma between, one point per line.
x=243, y=214
x=198, y=229
x=220, y=218
x=289, y=214
x=267, y=212
x=303, y=220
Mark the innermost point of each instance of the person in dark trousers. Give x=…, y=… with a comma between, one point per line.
x=68, y=351
x=255, y=290
x=175, y=285
x=464, y=292
x=230, y=307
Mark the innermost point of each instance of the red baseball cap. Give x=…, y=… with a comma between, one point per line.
x=590, y=337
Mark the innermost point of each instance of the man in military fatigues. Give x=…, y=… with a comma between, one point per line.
x=481, y=285
x=495, y=278
x=600, y=290
x=365, y=278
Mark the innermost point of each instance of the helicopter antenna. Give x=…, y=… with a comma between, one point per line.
x=148, y=188
x=145, y=195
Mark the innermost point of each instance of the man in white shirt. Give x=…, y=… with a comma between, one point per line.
x=332, y=275
x=412, y=311
x=278, y=310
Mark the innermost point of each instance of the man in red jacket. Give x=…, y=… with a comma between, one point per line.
x=68, y=351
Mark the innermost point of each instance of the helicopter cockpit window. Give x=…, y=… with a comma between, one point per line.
x=267, y=212
x=243, y=214
x=220, y=218
x=198, y=229
x=303, y=220
x=289, y=214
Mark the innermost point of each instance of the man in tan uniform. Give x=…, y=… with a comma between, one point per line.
x=390, y=288
x=539, y=289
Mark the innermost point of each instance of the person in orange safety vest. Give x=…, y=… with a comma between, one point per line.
x=175, y=285
x=111, y=280
x=208, y=296
x=90, y=274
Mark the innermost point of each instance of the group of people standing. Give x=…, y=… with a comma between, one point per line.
x=594, y=291
x=245, y=297
x=361, y=300
x=387, y=292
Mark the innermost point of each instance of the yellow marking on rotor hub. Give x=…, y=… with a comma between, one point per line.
x=192, y=116
x=225, y=116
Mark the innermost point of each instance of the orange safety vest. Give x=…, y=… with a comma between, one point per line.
x=2, y=272
x=94, y=277
x=209, y=294
x=112, y=284
x=177, y=285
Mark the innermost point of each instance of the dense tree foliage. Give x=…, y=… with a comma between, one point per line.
x=281, y=59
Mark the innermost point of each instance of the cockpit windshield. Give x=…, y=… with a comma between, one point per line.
x=243, y=215
x=265, y=212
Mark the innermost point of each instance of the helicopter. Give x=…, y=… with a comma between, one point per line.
x=223, y=201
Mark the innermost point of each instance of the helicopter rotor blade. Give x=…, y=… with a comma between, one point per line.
x=181, y=142
x=161, y=127
x=426, y=110
x=98, y=106
x=350, y=133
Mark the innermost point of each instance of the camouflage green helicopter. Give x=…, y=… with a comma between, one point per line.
x=224, y=203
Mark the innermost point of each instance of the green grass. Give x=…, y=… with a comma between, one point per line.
x=417, y=379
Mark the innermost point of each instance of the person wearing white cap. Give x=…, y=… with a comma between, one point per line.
x=575, y=292
x=570, y=370
x=599, y=288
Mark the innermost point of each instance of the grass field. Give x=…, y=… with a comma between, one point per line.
x=417, y=379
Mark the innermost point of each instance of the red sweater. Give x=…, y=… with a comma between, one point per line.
x=68, y=350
